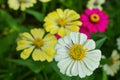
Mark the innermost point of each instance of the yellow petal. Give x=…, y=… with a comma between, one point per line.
x=26, y=35
x=22, y=44
x=38, y=33
x=73, y=16
x=60, y=13
x=61, y=32
x=73, y=28
x=26, y=53
x=38, y=55
x=76, y=23
x=49, y=58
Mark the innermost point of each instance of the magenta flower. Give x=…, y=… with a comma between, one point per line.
x=94, y=20
x=85, y=31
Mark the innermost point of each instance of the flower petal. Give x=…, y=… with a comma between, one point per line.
x=68, y=71
x=64, y=64
x=26, y=53
x=90, y=44
x=75, y=36
x=80, y=70
x=37, y=33
x=74, y=70
x=83, y=38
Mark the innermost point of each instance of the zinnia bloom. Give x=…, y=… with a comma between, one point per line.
x=76, y=55
x=94, y=20
x=44, y=1
x=118, y=43
x=112, y=67
x=40, y=45
x=62, y=22
x=22, y=4
x=95, y=4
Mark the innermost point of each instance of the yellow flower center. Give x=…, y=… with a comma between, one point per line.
x=77, y=52
x=94, y=18
x=62, y=21
x=38, y=42
x=21, y=1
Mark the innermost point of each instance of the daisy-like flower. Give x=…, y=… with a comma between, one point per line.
x=112, y=67
x=95, y=4
x=76, y=55
x=118, y=43
x=40, y=45
x=62, y=22
x=22, y=4
x=94, y=20
x=44, y=1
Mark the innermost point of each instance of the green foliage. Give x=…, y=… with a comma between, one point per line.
x=12, y=67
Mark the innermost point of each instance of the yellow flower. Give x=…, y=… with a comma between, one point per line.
x=22, y=4
x=41, y=47
x=62, y=22
x=44, y=1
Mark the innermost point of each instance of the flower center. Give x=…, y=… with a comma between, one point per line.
x=62, y=21
x=77, y=52
x=21, y=1
x=38, y=42
x=94, y=18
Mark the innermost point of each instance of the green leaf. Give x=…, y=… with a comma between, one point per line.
x=34, y=66
x=100, y=42
x=8, y=18
x=39, y=16
x=104, y=76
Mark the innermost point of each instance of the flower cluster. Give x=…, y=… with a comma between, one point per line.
x=66, y=37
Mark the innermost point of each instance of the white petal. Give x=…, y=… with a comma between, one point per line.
x=68, y=71
x=83, y=38
x=90, y=64
x=62, y=42
x=74, y=70
x=94, y=55
x=75, y=37
x=68, y=41
x=85, y=69
x=80, y=70
x=89, y=44
x=58, y=46
x=61, y=56
x=63, y=64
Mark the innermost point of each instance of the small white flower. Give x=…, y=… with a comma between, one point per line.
x=44, y=1
x=112, y=67
x=76, y=55
x=118, y=43
x=22, y=4
x=95, y=4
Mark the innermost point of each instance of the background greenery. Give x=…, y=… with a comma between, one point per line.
x=14, y=22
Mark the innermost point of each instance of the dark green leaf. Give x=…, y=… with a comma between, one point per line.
x=100, y=42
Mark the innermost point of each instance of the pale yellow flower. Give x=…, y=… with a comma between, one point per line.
x=44, y=1
x=22, y=4
x=95, y=4
x=40, y=45
x=62, y=22
x=113, y=67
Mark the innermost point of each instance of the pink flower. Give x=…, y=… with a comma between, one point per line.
x=94, y=20
x=57, y=36
x=85, y=31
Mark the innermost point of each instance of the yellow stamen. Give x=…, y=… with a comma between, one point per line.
x=21, y=1
x=94, y=18
x=38, y=42
x=62, y=21
x=77, y=52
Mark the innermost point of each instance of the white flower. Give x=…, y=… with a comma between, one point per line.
x=76, y=55
x=22, y=4
x=44, y=1
x=118, y=43
x=112, y=67
x=95, y=4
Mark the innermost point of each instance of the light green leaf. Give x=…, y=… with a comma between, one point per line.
x=34, y=66
x=39, y=16
x=100, y=42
